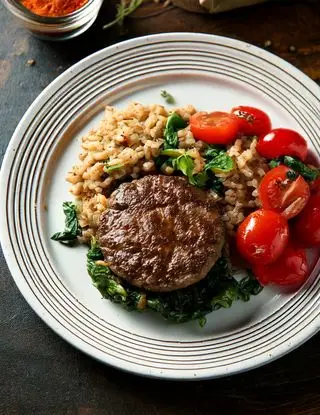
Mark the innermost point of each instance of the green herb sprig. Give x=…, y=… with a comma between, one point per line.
x=168, y=97
x=123, y=10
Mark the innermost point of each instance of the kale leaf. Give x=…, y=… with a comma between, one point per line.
x=72, y=228
x=174, y=124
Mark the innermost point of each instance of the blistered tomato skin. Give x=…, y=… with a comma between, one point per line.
x=262, y=236
x=291, y=268
x=282, y=142
x=306, y=226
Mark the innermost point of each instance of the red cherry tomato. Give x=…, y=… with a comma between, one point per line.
x=280, y=193
x=306, y=226
x=315, y=186
x=236, y=258
x=282, y=142
x=214, y=127
x=290, y=269
x=262, y=236
x=252, y=120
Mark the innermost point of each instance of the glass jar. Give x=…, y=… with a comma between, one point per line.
x=56, y=28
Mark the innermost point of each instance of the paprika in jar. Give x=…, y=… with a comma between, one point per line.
x=55, y=20
x=53, y=8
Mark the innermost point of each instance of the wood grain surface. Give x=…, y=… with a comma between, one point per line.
x=42, y=374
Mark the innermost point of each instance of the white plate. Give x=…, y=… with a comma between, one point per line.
x=211, y=73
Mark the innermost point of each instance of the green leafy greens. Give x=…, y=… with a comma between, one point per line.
x=71, y=228
x=292, y=175
x=109, y=284
x=274, y=163
x=185, y=164
x=173, y=152
x=218, y=160
x=301, y=168
x=173, y=125
x=218, y=289
x=248, y=286
x=216, y=185
x=113, y=167
x=298, y=166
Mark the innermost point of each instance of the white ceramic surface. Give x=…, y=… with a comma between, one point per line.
x=212, y=73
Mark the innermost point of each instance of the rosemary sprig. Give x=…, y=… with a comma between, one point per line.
x=123, y=10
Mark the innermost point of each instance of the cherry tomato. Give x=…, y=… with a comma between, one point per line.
x=282, y=142
x=262, y=236
x=282, y=194
x=290, y=269
x=236, y=258
x=214, y=127
x=315, y=186
x=252, y=120
x=306, y=226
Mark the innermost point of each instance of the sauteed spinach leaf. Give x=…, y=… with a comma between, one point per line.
x=72, y=228
x=298, y=166
x=218, y=289
x=218, y=161
x=173, y=125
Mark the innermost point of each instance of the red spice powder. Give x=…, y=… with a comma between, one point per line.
x=53, y=8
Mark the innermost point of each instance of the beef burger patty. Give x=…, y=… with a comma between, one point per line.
x=160, y=233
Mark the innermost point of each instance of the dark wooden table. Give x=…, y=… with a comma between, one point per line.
x=42, y=374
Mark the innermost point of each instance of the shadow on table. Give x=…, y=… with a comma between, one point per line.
x=287, y=385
